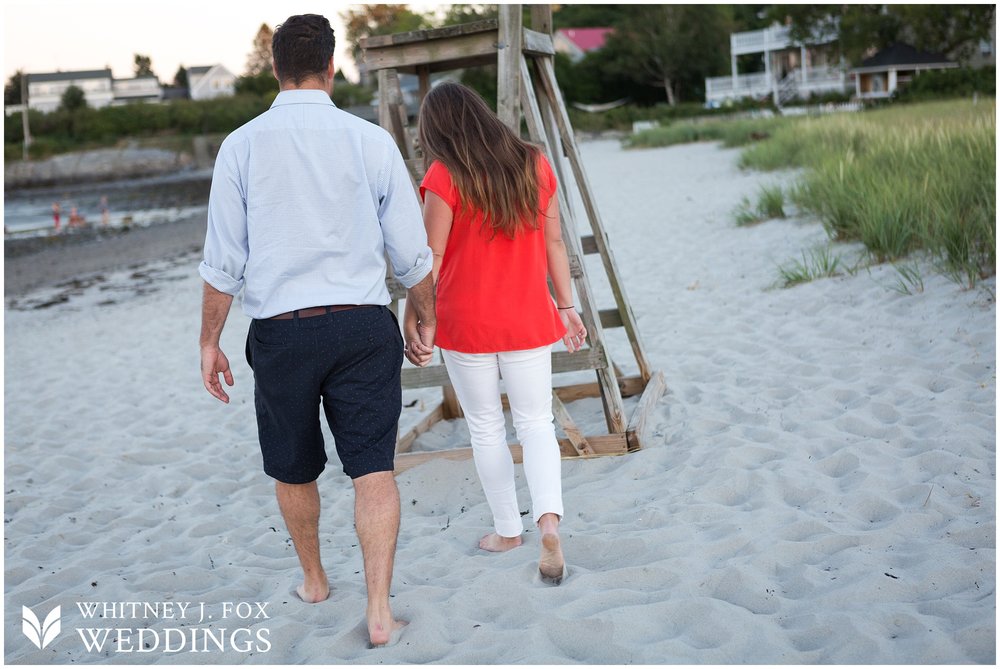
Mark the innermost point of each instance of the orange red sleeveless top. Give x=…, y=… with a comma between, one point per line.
x=492, y=294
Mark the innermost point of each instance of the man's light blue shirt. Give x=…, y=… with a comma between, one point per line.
x=306, y=201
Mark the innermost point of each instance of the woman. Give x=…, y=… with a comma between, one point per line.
x=492, y=219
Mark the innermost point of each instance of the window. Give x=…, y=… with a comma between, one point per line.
x=985, y=47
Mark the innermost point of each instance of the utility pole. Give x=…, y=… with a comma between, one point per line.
x=24, y=112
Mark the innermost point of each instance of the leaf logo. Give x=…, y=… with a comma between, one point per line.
x=40, y=634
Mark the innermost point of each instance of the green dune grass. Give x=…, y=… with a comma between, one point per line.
x=898, y=179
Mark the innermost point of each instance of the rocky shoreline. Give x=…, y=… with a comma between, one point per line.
x=127, y=162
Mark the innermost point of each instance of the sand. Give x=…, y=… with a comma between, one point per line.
x=819, y=486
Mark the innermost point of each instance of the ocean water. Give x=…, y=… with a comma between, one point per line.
x=138, y=202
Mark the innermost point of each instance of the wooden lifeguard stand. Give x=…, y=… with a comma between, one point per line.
x=526, y=84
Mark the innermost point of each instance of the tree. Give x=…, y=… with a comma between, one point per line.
x=670, y=46
x=12, y=89
x=751, y=17
x=259, y=84
x=260, y=58
x=577, y=15
x=952, y=30
x=73, y=98
x=143, y=66
x=181, y=77
x=468, y=14
x=346, y=94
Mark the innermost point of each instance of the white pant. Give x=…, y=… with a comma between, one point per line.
x=527, y=376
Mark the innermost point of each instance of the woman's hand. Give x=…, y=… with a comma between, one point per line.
x=575, y=332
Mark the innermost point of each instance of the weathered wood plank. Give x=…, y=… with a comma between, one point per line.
x=548, y=78
x=602, y=444
x=378, y=41
x=541, y=18
x=391, y=111
x=384, y=113
x=433, y=53
x=509, y=67
x=405, y=442
x=532, y=114
x=396, y=289
x=562, y=361
x=638, y=424
x=576, y=438
x=628, y=386
x=424, y=75
x=611, y=318
x=614, y=410
x=537, y=43
x=416, y=169
x=452, y=408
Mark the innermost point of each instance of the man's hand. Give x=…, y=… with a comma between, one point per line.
x=418, y=338
x=214, y=309
x=420, y=322
x=213, y=363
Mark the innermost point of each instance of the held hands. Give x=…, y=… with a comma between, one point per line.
x=575, y=332
x=418, y=338
x=213, y=363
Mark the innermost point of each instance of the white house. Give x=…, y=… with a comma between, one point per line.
x=45, y=89
x=137, y=89
x=892, y=68
x=210, y=81
x=792, y=69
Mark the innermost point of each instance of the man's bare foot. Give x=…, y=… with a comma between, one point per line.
x=383, y=630
x=551, y=563
x=494, y=543
x=313, y=594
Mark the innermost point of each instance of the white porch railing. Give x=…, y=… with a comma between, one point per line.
x=758, y=41
x=718, y=89
x=773, y=38
x=799, y=83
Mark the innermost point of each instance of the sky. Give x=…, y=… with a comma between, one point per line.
x=50, y=35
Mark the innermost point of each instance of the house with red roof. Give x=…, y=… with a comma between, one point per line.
x=578, y=42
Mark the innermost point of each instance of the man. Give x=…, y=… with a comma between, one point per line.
x=305, y=202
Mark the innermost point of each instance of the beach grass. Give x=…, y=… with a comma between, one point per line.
x=818, y=263
x=909, y=279
x=770, y=204
x=898, y=179
x=731, y=133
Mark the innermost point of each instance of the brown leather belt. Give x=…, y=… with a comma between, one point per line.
x=315, y=311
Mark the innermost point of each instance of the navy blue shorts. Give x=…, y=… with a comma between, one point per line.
x=350, y=361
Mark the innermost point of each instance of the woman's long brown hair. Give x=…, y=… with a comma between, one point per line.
x=494, y=170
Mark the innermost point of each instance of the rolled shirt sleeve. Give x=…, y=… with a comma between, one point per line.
x=402, y=223
x=226, y=245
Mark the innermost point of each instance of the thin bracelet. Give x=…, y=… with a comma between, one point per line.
x=563, y=308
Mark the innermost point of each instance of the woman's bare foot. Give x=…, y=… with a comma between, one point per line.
x=551, y=563
x=313, y=594
x=494, y=543
x=382, y=629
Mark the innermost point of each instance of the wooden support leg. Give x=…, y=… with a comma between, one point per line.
x=548, y=79
x=509, y=57
x=452, y=409
x=573, y=433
